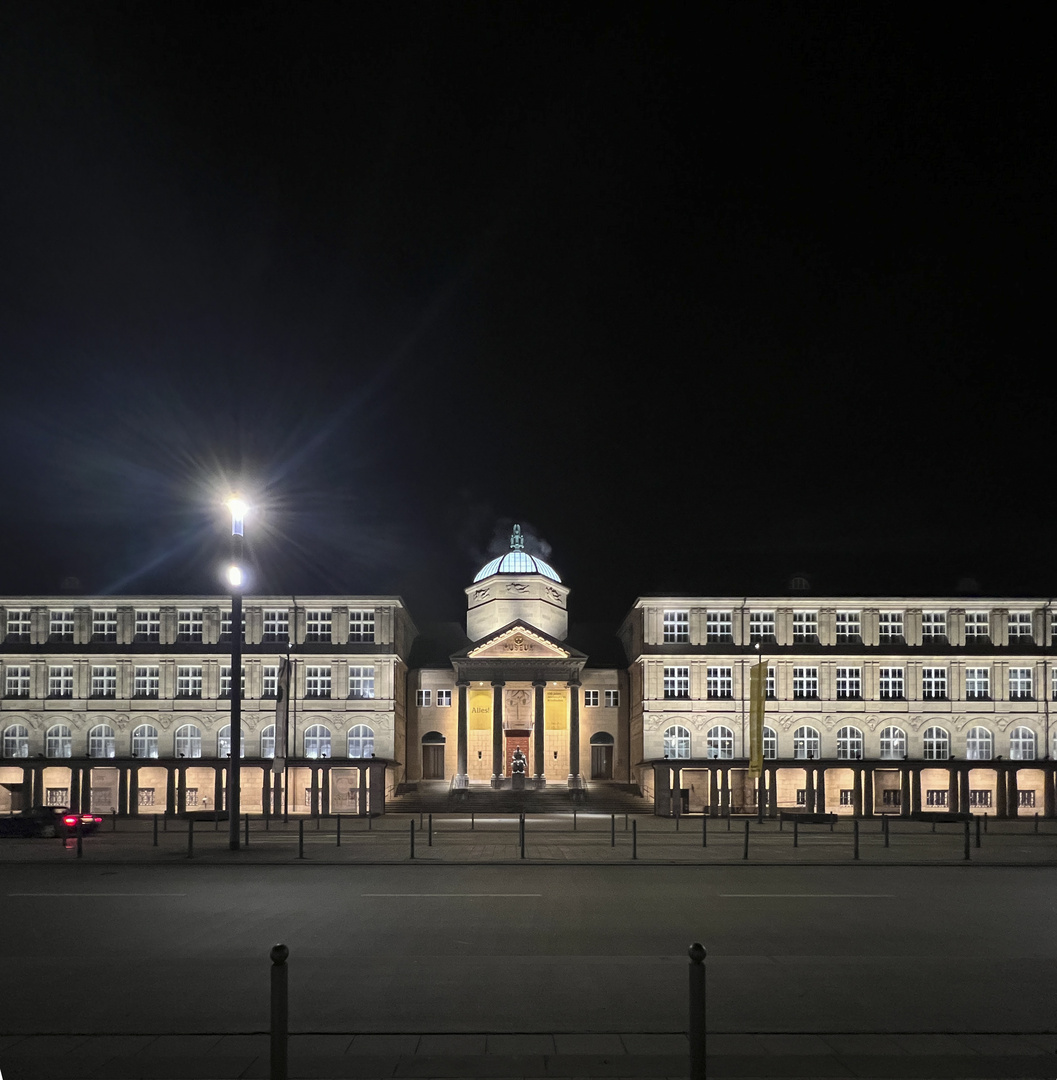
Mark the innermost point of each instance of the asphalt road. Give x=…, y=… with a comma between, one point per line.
x=543, y=948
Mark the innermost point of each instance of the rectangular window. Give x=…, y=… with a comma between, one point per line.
x=1020, y=626
x=276, y=625
x=936, y=797
x=317, y=681
x=890, y=684
x=934, y=683
x=977, y=683
x=980, y=798
x=423, y=698
x=225, y=682
x=805, y=626
x=361, y=682
x=676, y=682
x=148, y=625
x=676, y=627
x=761, y=626
x=60, y=625
x=1026, y=799
x=977, y=625
x=443, y=699
x=891, y=797
x=890, y=626
x=104, y=682
x=189, y=624
x=60, y=682
x=849, y=628
x=770, y=684
x=269, y=680
x=146, y=796
x=801, y=796
x=720, y=682
x=847, y=796
x=225, y=625
x=57, y=796
x=18, y=623
x=361, y=626
x=719, y=626
x=1020, y=688
x=612, y=699
x=849, y=682
x=16, y=682
x=590, y=698
x=317, y=626
x=933, y=626
x=805, y=682
x=189, y=682
x=145, y=682
x=104, y=625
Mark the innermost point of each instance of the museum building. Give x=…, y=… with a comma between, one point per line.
x=874, y=704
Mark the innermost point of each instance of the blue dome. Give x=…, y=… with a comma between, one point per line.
x=517, y=561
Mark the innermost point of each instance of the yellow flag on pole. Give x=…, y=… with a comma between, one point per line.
x=757, y=702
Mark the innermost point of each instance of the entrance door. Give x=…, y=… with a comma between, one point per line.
x=433, y=761
x=601, y=762
x=517, y=740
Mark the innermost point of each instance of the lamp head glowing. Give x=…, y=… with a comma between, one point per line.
x=235, y=578
x=238, y=513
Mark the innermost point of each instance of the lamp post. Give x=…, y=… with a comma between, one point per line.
x=235, y=582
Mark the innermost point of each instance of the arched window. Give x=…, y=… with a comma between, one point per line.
x=601, y=738
x=317, y=742
x=676, y=742
x=979, y=744
x=188, y=741
x=361, y=741
x=719, y=742
x=806, y=743
x=849, y=744
x=770, y=743
x=1023, y=746
x=101, y=741
x=16, y=741
x=936, y=744
x=268, y=742
x=893, y=744
x=145, y=742
x=224, y=742
x=58, y=741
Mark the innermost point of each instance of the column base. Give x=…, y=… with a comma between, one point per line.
x=540, y=782
x=461, y=782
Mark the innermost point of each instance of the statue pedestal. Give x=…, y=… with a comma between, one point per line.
x=517, y=782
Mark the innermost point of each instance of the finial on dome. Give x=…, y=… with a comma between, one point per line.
x=517, y=541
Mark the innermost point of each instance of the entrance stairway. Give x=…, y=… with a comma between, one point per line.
x=599, y=796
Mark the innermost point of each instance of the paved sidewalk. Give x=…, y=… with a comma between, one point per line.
x=919, y=1056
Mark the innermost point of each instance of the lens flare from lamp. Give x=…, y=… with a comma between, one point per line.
x=235, y=577
x=238, y=514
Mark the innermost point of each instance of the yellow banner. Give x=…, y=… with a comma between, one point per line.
x=479, y=704
x=555, y=710
x=757, y=704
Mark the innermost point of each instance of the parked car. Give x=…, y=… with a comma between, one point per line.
x=48, y=821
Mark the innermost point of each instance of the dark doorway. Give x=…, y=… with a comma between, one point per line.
x=433, y=756
x=601, y=756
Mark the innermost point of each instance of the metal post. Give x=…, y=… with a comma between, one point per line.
x=190, y=837
x=412, y=824
x=80, y=839
x=247, y=830
x=155, y=844
x=300, y=838
x=522, y=823
x=430, y=844
x=728, y=821
x=625, y=823
x=1036, y=823
x=339, y=830
x=885, y=821
x=697, y=1028
x=235, y=718
x=704, y=829
x=113, y=820
x=634, y=839
x=612, y=830
x=471, y=821
x=796, y=832
x=855, y=831
x=966, y=855
x=985, y=821
x=574, y=820
x=745, y=853
x=978, y=830
x=280, y=1013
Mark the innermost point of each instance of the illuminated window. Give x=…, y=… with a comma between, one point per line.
x=224, y=742
x=268, y=741
x=979, y=798
x=979, y=744
x=770, y=743
x=977, y=625
x=104, y=682
x=977, y=683
x=676, y=682
x=361, y=682
x=189, y=624
x=16, y=741
x=60, y=625
x=849, y=628
x=805, y=682
x=770, y=684
x=612, y=699
x=719, y=626
x=801, y=796
x=276, y=625
x=188, y=741
x=361, y=741
x=18, y=624
x=423, y=698
x=893, y=743
x=807, y=743
x=891, y=797
x=591, y=699
x=361, y=626
x=1026, y=799
x=318, y=626
x=58, y=742
x=933, y=626
x=1020, y=688
x=936, y=797
x=1023, y=746
x=849, y=744
x=761, y=626
x=676, y=742
x=849, y=682
x=16, y=682
x=1020, y=626
x=101, y=741
x=443, y=699
x=225, y=682
x=805, y=626
x=934, y=683
x=269, y=680
x=145, y=682
x=719, y=742
x=890, y=683
x=720, y=682
x=148, y=624
x=60, y=681
x=890, y=626
x=104, y=625
x=847, y=796
x=145, y=741
x=936, y=744
x=189, y=682
x=317, y=742
x=317, y=681
x=676, y=627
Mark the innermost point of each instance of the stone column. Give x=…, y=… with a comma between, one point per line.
x=724, y=794
x=963, y=794
x=867, y=792
x=713, y=791
x=809, y=797
x=772, y=791
x=952, y=789
x=122, y=789
x=218, y=788
x=820, y=792
x=662, y=789
x=75, y=790
x=363, y=792
x=266, y=789
x=537, y=735
x=497, y=732
x=1012, y=793
x=324, y=778
x=1001, y=798
x=856, y=792
x=1049, y=803
x=170, y=789
x=181, y=789
x=915, y=789
x=314, y=797
x=461, y=777
x=574, y=732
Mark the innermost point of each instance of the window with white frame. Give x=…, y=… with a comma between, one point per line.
x=979, y=798
x=719, y=626
x=720, y=682
x=979, y=744
x=146, y=679
x=934, y=683
x=936, y=744
x=936, y=797
x=761, y=626
x=847, y=796
x=16, y=681
x=189, y=682
x=807, y=743
x=145, y=741
x=60, y=625
x=591, y=699
x=225, y=625
x=805, y=682
x=801, y=796
x=104, y=681
x=848, y=626
x=101, y=741
x=145, y=796
x=317, y=742
x=719, y=742
x=148, y=624
x=676, y=627
x=16, y=741
x=676, y=682
x=1026, y=799
x=361, y=682
x=317, y=681
x=318, y=626
x=361, y=626
x=268, y=741
x=1020, y=684
x=18, y=624
x=891, y=797
x=225, y=682
x=189, y=623
x=57, y=796
x=443, y=699
x=1053, y=681
x=890, y=625
x=269, y=680
x=977, y=625
x=770, y=684
x=104, y=625
x=187, y=741
x=60, y=681
x=1023, y=745
x=849, y=743
x=423, y=698
x=361, y=741
x=893, y=744
x=890, y=683
x=805, y=626
x=612, y=698
x=977, y=683
x=58, y=741
x=224, y=742
x=933, y=626
x=676, y=742
x=1020, y=628
x=849, y=683
x=276, y=624
x=770, y=743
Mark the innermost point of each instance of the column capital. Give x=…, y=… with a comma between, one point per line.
x=499, y=682
x=541, y=683
x=574, y=683
x=462, y=682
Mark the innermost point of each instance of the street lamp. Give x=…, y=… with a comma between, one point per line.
x=236, y=579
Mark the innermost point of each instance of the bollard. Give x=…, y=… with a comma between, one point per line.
x=267, y=823
x=728, y=821
x=966, y=855
x=612, y=830
x=634, y=839
x=247, y=830
x=678, y=817
x=190, y=837
x=704, y=828
x=978, y=830
x=319, y=817
x=300, y=838
x=522, y=820
x=855, y=830
x=370, y=822
x=216, y=816
x=80, y=840
x=796, y=832
x=1036, y=823
x=985, y=821
x=339, y=830
x=745, y=853
x=165, y=822
x=430, y=842
x=696, y=1030
x=471, y=821
x=625, y=823
x=113, y=820
x=574, y=819
x=934, y=828
x=277, y=1070
x=412, y=824
x=155, y=844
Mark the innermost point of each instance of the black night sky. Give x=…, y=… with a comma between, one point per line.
x=702, y=295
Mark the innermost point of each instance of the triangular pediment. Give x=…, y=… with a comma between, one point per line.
x=517, y=641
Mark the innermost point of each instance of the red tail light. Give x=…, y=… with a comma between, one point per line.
x=69, y=819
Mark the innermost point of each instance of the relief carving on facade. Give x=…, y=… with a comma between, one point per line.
x=553, y=593
x=516, y=586
x=164, y=722
x=481, y=594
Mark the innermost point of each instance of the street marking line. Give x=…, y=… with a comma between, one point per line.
x=38, y=894
x=806, y=895
x=458, y=895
